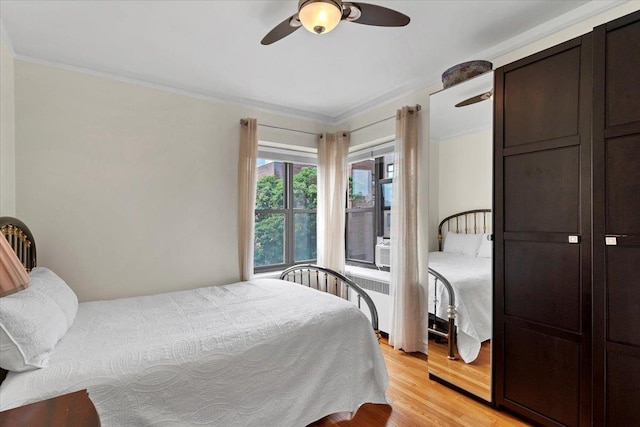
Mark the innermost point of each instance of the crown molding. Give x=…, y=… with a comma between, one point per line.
x=4, y=36
x=429, y=83
x=532, y=35
x=187, y=91
x=550, y=27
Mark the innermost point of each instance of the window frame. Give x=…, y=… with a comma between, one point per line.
x=289, y=212
x=378, y=214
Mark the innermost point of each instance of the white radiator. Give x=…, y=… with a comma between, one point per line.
x=378, y=290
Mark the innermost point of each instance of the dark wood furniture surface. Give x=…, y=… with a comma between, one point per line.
x=542, y=311
x=69, y=410
x=616, y=176
x=567, y=156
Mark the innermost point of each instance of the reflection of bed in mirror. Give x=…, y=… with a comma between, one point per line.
x=461, y=272
x=460, y=296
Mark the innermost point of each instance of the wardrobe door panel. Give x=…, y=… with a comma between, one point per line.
x=536, y=367
x=623, y=84
x=542, y=233
x=623, y=389
x=616, y=226
x=542, y=99
x=542, y=191
x=623, y=295
x=623, y=184
x=544, y=283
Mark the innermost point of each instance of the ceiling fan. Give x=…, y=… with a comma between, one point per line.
x=322, y=16
x=474, y=99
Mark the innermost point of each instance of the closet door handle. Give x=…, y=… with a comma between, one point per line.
x=612, y=239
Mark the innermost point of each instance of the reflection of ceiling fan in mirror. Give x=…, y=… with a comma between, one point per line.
x=474, y=99
x=322, y=16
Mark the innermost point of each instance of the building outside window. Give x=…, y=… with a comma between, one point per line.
x=285, y=214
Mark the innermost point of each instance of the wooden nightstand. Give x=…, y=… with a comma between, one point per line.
x=69, y=410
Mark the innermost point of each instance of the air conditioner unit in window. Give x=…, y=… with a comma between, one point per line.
x=383, y=254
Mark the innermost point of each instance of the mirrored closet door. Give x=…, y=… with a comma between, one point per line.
x=460, y=263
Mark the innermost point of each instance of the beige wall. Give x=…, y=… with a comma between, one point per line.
x=465, y=175
x=7, y=133
x=130, y=190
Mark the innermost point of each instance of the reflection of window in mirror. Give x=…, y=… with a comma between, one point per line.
x=387, y=225
x=368, y=210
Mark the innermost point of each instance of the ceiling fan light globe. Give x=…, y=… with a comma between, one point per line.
x=320, y=16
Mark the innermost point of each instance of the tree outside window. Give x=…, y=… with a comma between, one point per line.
x=285, y=215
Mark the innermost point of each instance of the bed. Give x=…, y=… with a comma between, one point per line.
x=460, y=283
x=258, y=353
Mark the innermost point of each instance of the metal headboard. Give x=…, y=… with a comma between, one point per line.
x=327, y=280
x=469, y=222
x=20, y=239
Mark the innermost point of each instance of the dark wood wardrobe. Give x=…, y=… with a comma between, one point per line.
x=567, y=231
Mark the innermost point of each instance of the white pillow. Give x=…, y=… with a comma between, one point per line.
x=464, y=244
x=56, y=289
x=486, y=247
x=31, y=324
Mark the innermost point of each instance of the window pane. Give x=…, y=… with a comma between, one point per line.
x=360, y=231
x=362, y=192
x=269, y=239
x=387, y=224
x=305, y=236
x=305, y=187
x=388, y=169
x=270, y=185
x=386, y=194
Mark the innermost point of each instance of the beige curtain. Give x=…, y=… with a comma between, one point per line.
x=405, y=325
x=332, y=190
x=247, y=195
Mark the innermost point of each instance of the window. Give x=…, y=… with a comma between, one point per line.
x=285, y=215
x=368, y=207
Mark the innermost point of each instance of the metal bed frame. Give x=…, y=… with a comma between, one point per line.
x=469, y=222
x=330, y=281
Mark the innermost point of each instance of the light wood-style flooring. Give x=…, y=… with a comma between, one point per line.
x=417, y=401
x=474, y=377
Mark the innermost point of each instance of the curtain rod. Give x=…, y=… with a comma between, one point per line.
x=243, y=122
x=418, y=107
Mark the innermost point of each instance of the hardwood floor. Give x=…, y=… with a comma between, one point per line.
x=417, y=401
x=474, y=376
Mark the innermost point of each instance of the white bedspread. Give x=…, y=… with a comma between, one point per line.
x=260, y=353
x=471, y=280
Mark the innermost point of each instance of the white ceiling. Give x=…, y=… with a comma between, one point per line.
x=212, y=48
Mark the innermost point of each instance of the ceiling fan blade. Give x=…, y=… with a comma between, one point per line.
x=474, y=99
x=282, y=30
x=372, y=14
